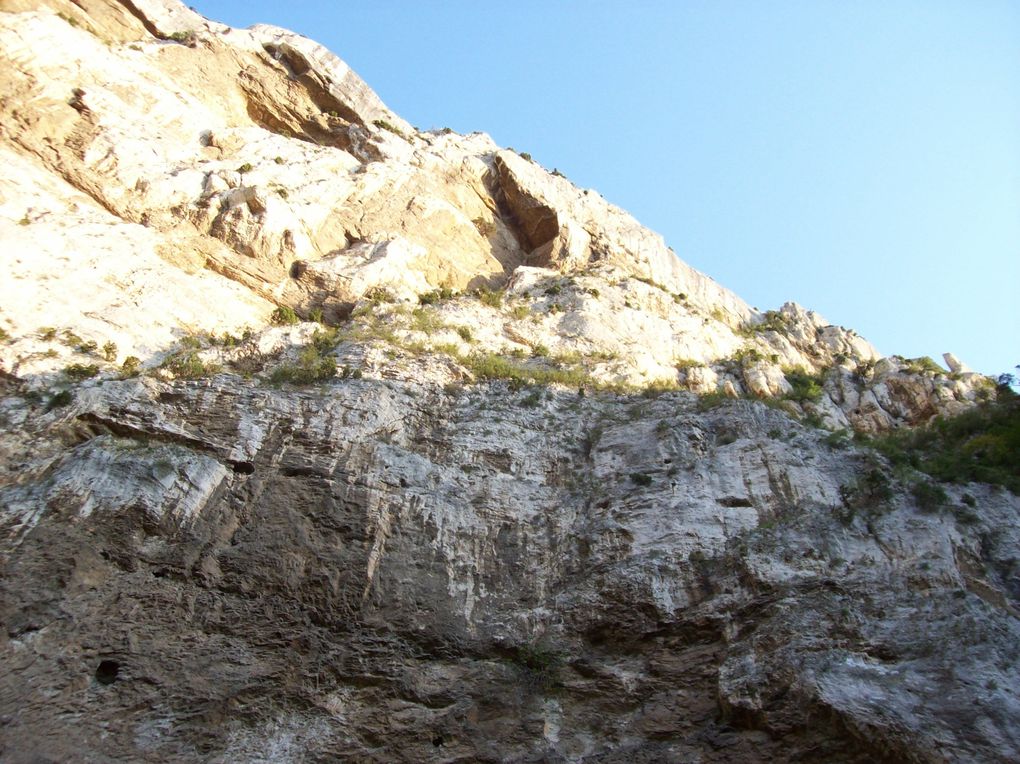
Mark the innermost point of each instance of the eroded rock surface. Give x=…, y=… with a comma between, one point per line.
x=474, y=508
x=390, y=571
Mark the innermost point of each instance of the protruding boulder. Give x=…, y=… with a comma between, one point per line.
x=955, y=365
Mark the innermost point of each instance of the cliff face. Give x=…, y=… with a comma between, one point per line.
x=518, y=497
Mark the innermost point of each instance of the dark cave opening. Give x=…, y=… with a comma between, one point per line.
x=107, y=672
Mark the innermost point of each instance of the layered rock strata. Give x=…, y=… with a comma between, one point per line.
x=520, y=486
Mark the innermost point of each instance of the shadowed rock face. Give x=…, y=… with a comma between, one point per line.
x=387, y=571
x=414, y=554
x=536, y=222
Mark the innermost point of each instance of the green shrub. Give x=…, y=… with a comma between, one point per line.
x=110, y=351
x=311, y=367
x=379, y=295
x=923, y=365
x=658, y=387
x=714, y=399
x=813, y=419
x=688, y=363
x=284, y=316
x=325, y=340
x=229, y=340
x=4, y=336
x=651, y=282
x=47, y=333
x=520, y=312
x=929, y=496
x=382, y=124
x=59, y=400
x=870, y=493
x=640, y=478
x=726, y=437
x=80, y=371
x=806, y=387
x=532, y=399
x=186, y=364
x=131, y=367
x=426, y=321
x=436, y=295
x=70, y=339
x=465, y=334
x=772, y=321
x=88, y=347
x=246, y=167
x=489, y=366
x=837, y=439
x=492, y=298
x=981, y=444
x=747, y=355
x=185, y=37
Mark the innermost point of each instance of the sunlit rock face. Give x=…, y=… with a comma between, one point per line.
x=326, y=439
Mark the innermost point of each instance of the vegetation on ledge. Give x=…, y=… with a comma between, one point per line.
x=979, y=445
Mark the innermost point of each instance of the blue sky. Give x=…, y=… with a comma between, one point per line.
x=860, y=158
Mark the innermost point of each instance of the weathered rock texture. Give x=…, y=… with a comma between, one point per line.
x=420, y=556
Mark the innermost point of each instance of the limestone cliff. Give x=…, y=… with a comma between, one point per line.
x=324, y=438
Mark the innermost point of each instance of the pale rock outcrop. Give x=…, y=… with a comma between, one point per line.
x=362, y=268
x=254, y=176
x=765, y=381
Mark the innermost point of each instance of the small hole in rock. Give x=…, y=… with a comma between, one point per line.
x=244, y=468
x=107, y=672
x=105, y=555
x=437, y=741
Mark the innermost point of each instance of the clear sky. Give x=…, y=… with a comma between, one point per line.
x=860, y=158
